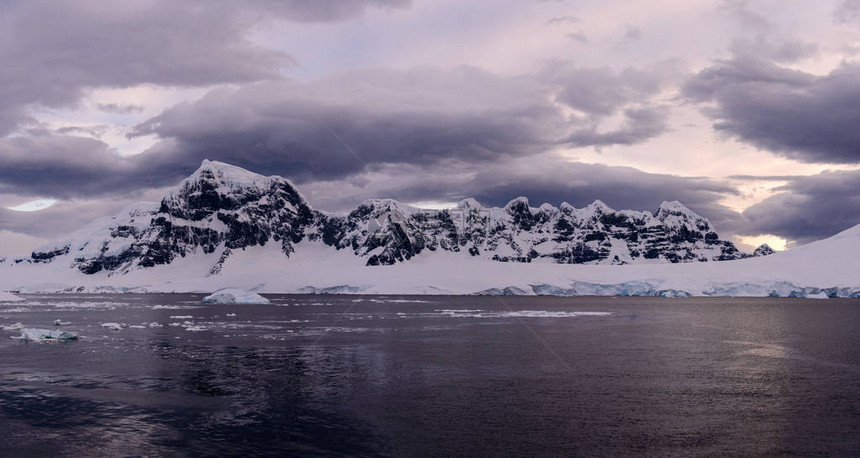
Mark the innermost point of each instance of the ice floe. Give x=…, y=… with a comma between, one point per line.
x=47, y=335
x=114, y=326
x=234, y=296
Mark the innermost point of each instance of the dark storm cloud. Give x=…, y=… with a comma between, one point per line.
x=337, y=126
x=794, y=114
x=809, y=208
x=58, y=166
x=52, y=50
x=548, y=179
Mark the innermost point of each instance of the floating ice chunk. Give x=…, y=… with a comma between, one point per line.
x=181, y=317
x=821, y=295
x=196, y=328
x=61, y=323
x=234, y=296
x=9, y=297
x=231, y=314
x=13, y=327
x=47, y=335
x=114, y=326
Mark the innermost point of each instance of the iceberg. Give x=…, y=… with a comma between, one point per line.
x=234, y=296
x=47, y=335
x=114, y=326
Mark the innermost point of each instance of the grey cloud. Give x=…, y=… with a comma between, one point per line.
x=338, y=126
x=639, y=123
x=763, y=177
x=762, y=46
x=632, y=33
x=93, y=131
x=420, y=116
x=847, y=11
x=578, y=36
x=54, y=50
x=794, y=114
x=323, y=11
x=759, y=37
x=119, y=109
x=809, y=208
x=563, y=19
x=603, y=91
x=548, y=179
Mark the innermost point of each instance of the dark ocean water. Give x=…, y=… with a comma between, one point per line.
x=432, y=376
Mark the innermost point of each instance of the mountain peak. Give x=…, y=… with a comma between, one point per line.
x=763, y=250
x=224, y=173
x=673, y=207
x=600, y=205
x=469, y=203
x=519, y=203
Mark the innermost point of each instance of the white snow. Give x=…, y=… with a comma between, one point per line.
x=114, y=326
x=46, y=335
x=234, y=296
x=9, y=297
x=829, y=266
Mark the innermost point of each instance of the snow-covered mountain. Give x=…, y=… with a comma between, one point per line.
x=224, y=226
x=220, y=209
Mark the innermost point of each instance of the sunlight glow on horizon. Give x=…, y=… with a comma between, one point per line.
x=34, y=206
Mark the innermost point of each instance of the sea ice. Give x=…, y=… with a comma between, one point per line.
x=234, y=296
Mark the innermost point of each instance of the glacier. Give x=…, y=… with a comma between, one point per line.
x=234, y=296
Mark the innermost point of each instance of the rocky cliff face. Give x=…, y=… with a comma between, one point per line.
x=221, y=208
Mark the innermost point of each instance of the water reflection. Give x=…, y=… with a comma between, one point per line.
x=379, y=377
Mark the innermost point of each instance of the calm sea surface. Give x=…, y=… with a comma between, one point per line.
x=431, y=376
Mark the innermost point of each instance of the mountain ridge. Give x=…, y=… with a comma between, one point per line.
x=221, y=208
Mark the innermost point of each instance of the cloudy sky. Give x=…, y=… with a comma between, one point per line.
x=746, y=111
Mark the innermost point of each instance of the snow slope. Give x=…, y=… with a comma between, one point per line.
x=225, y=226
x=9, y=297
x=830, y=266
